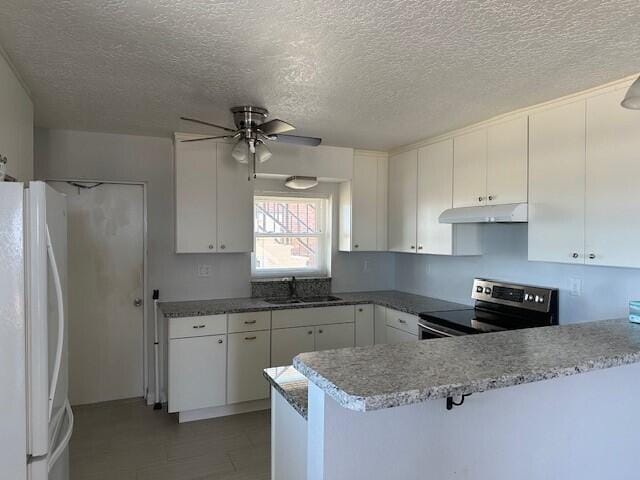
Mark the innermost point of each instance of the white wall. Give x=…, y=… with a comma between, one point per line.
x=65, y=154
x=605, y=291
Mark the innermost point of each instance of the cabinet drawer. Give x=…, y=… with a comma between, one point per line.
x=197, y=326
x=249, y=322
x=303, y=317
x=403, y=321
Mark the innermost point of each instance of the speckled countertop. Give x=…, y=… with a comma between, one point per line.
x=405, y=302
x=384, y=376
x=292, y=385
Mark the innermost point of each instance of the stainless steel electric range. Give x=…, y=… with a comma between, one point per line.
x=499, y=306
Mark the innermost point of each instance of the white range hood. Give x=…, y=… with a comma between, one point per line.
x=510, y=213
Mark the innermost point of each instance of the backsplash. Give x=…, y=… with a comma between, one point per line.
x=305, y=287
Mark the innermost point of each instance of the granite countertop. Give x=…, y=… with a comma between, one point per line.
x=405, y=302
x=384, y=376
x=292, y=385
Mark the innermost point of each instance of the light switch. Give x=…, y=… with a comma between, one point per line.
x=575, y=287
x=204, y=270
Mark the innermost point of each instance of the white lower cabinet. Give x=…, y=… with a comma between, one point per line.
x=329, y=337
x=286, y=343
x=365, y=328
x=379, y=324
x=248, y=355
x=395, y=335
x=197, y=372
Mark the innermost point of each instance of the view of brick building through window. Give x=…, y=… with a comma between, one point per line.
x=289, y=234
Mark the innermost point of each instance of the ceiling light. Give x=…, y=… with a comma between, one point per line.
x=262, y=153
x=301, y=183
x=632, y=98
x=239, y=152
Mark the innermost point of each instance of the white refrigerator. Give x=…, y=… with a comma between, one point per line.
x=36, y=418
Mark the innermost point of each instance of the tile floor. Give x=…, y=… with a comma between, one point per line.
x=127, y=440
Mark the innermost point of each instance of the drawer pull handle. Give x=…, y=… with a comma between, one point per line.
x=310, y=332
x=360, y=309
x=220, y=341
x=250, y=338
x=402, y=321
x=199, y=326
x=249, y=322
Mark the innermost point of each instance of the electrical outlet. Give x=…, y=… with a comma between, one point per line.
x=366, y=266
x=204, y=270
x=575, y=287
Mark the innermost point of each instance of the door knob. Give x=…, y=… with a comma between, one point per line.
x=137, y=302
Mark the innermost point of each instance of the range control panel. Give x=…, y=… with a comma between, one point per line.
x=528, y=297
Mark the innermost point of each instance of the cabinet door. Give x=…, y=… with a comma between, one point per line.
x=9, y=86
x=340, y=335
x=364, y=325
x=612, y=203
x=382, y=203
x=235, y=203
x=470, y=169
x=403, y=170
x=195, y=177
x=556, y=184
x=364, y=202
x=507, y=162
x=380, y=324
x=395, y=335
x=197, y=372
x=435, y=195
x=248, y=355
x=286, y=343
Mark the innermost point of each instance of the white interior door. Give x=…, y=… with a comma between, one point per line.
x=105, y=278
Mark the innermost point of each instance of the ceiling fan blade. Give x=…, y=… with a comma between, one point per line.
x=195, y=120
x=297, y=140
x=205, y=138
x=275, y=126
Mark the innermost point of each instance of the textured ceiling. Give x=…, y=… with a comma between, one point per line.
x=369, y=74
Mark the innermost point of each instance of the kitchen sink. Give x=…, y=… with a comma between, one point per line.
x=282, y=300
x=320, y=298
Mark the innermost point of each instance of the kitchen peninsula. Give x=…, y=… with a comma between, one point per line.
x=380, y=412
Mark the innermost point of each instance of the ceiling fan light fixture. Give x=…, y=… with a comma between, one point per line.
x=300, y=182
x=632, y=98
x=263, y=153
x=239, y=152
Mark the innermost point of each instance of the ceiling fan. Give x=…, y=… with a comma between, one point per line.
x=252, y=132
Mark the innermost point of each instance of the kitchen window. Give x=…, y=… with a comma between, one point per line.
x=291, y=236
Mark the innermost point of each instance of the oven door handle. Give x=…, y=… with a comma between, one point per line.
x=435, y=331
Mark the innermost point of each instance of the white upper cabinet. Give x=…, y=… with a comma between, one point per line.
x=16, y=125
x=214, y=199
x=470, y=169
x=403, y=171
x=507, y=162
x=490, y=165
x=195, y=177
x=435, y=195
x=363, y=204
x=612, y=176
x=235, y=203
x=557, y=184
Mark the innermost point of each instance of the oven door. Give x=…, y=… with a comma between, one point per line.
x=428, y=332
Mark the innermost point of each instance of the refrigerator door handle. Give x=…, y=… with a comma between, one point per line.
x=64, y=442
x=58, y=288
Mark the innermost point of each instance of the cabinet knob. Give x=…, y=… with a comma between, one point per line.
x=220, y=341
x=319, y=331
x=310, y=332
x=210, y=246
x=413, y=247
x=356, y=246
x=223, y=246
x=419, y=247
x=480, y=199
x=491, y=197
x=402, y=321
x=592, y=256
x=360, y=309
x=575, y=255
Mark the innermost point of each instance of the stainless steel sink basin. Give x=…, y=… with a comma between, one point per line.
x=282, y=300
x=320, y=298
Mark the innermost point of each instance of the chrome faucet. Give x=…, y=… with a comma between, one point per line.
x=292, y=287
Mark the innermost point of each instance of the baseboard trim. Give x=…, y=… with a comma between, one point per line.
x=223, y=410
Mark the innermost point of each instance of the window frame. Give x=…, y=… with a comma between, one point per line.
x=324, y=237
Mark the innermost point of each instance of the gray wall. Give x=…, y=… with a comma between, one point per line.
x=605, y=291
x=65, y=154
